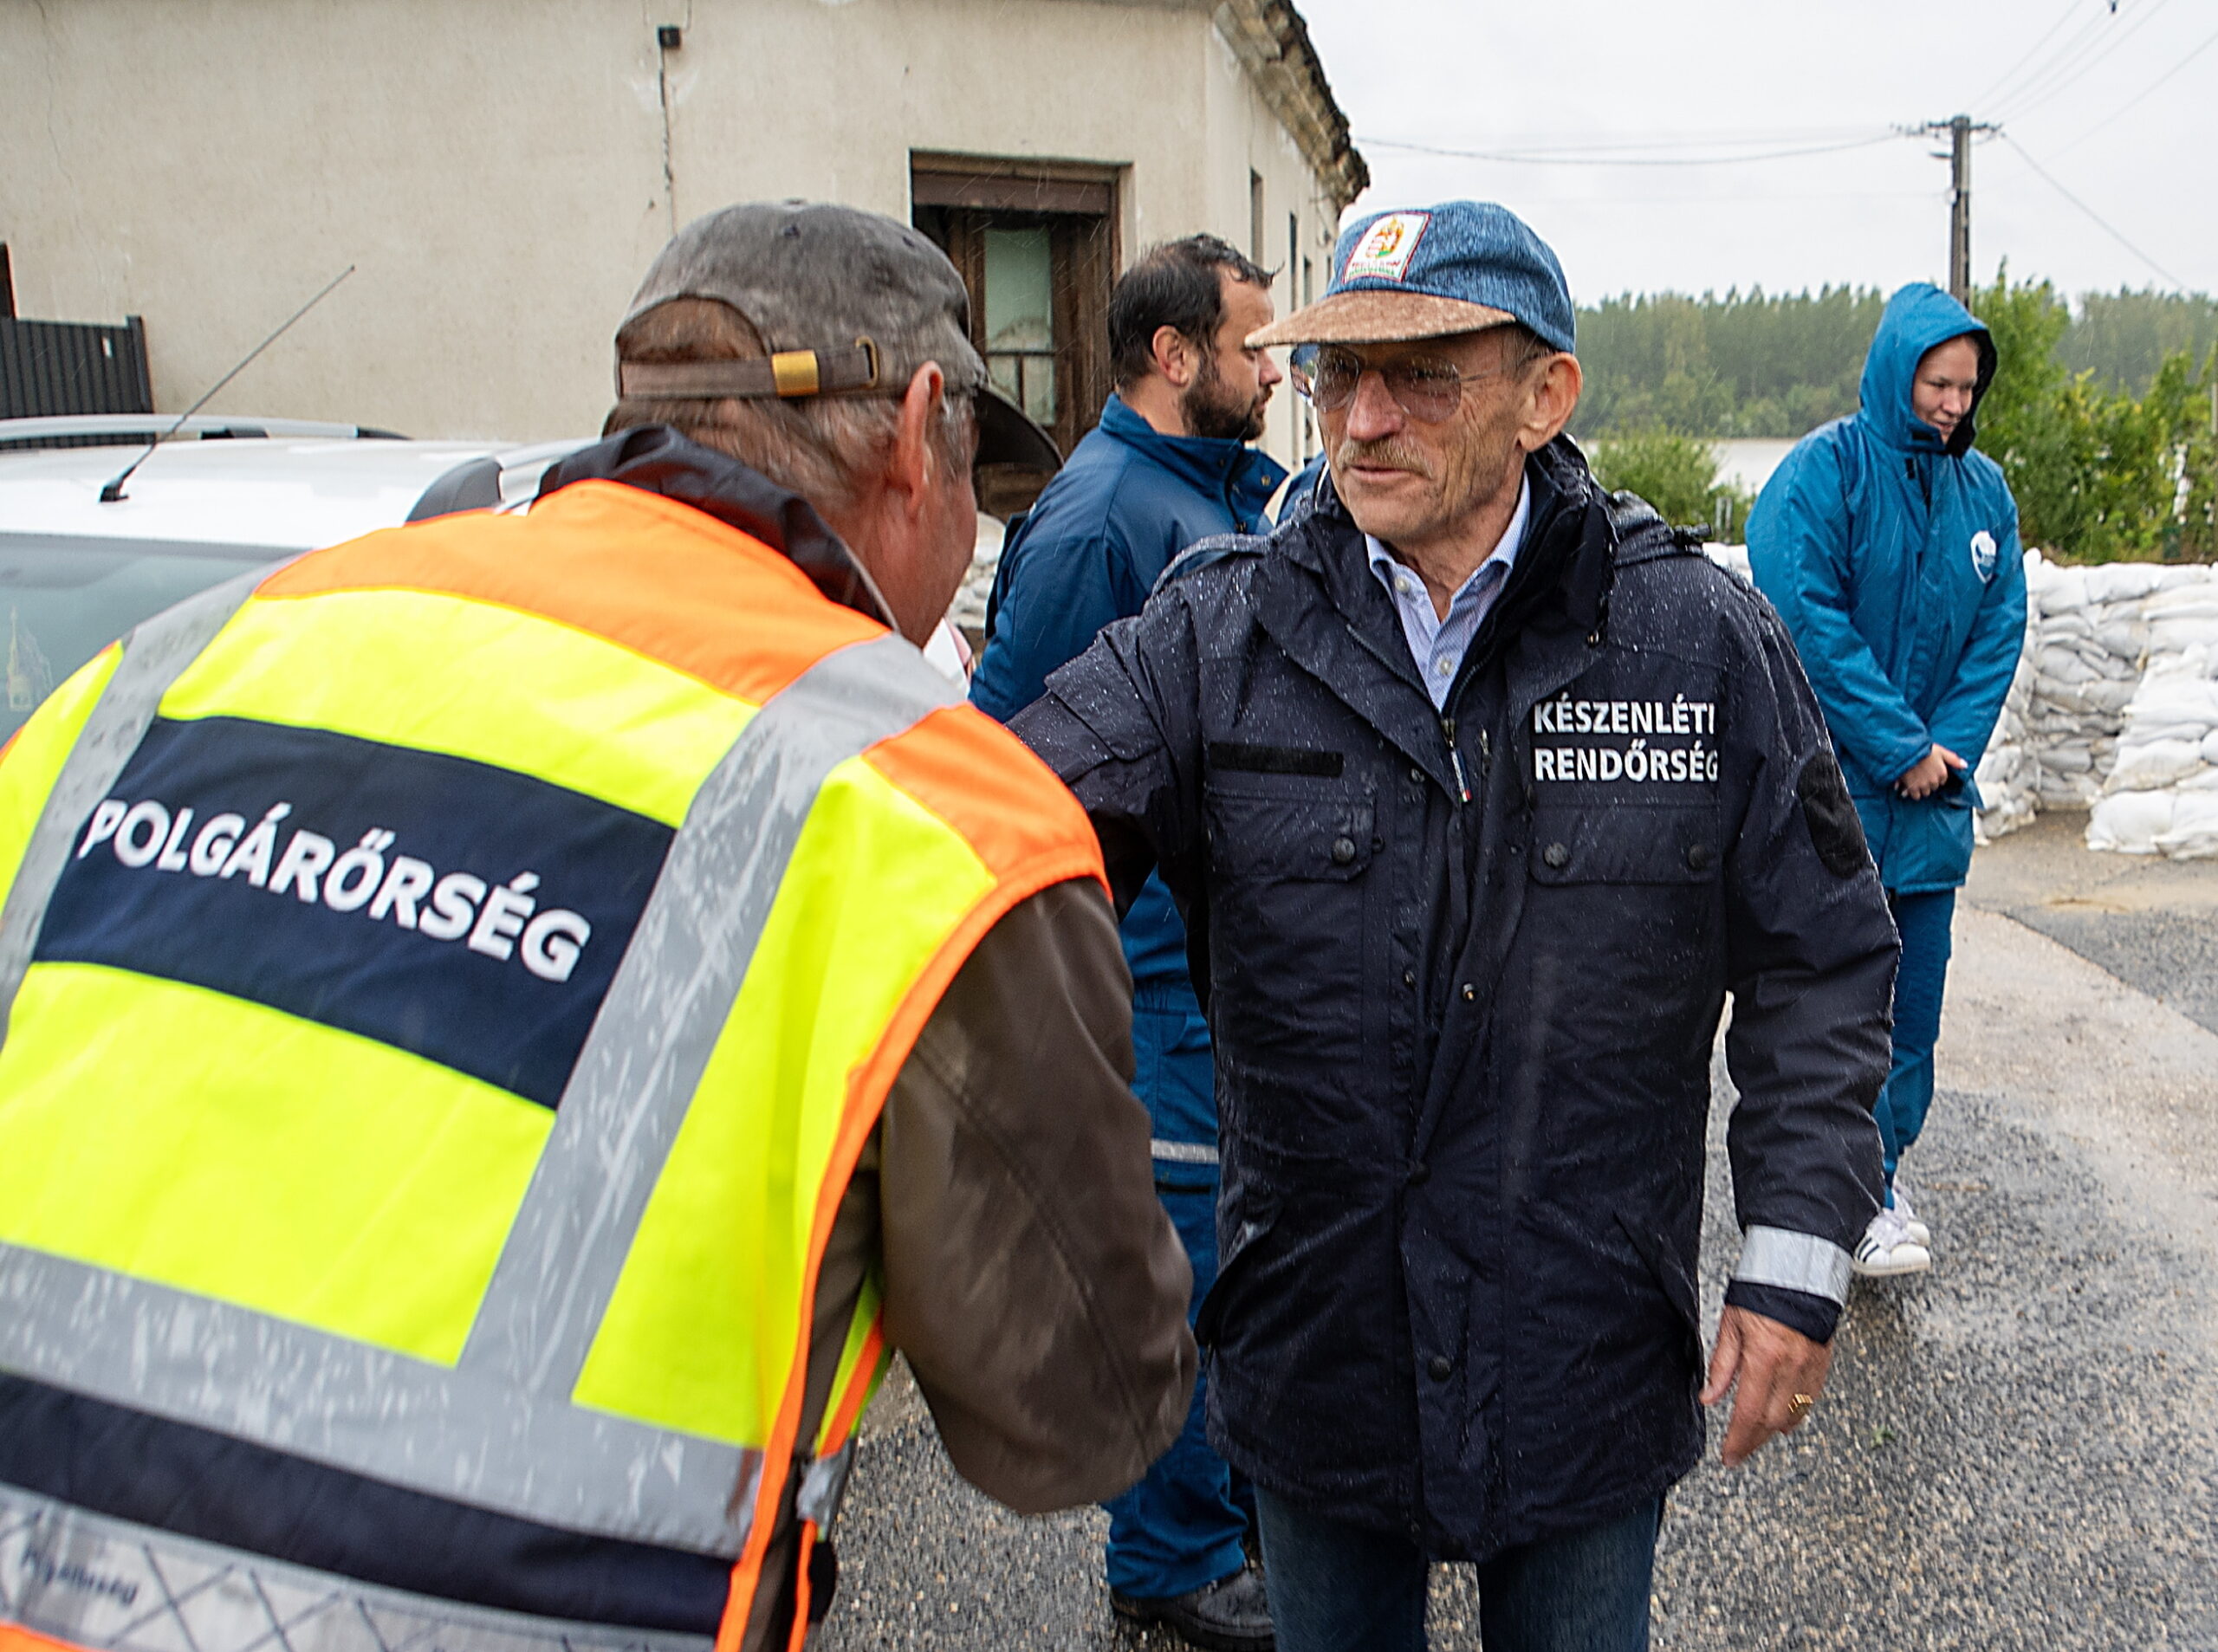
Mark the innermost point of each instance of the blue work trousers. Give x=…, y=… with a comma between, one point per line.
x=1923, y=921
x=1181, y=1527
x=1340, y=1587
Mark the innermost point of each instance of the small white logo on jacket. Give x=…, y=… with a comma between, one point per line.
x=1983, y=550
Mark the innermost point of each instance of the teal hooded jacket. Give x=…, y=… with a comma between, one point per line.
x=1893, y=558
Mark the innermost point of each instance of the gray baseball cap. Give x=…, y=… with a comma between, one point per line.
x=847, y=302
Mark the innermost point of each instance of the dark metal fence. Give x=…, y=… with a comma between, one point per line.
x=52, y=368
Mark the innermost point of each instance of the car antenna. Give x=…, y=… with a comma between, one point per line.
x=114, y=491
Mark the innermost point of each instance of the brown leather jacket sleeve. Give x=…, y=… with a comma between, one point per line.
x=1032, y=1279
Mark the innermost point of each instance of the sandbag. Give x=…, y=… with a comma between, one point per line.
x=2193, y=834
x=2153, y=765
x=2129, y=823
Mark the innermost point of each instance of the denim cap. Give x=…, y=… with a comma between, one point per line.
x=1458, y=267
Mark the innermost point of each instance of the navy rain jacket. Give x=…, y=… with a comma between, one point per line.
x=1463, y=975
x=1089, y=552
x=1893, y=558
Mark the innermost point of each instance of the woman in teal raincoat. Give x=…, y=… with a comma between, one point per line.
x=1889, y=547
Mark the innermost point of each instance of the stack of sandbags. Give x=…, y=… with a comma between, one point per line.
x=2009, y=772
x=2162, y=797
x=2087, y=633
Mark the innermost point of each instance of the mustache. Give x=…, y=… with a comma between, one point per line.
x=1389, y=453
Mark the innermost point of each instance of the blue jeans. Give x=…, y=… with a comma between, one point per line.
x=1340, y=1587
x=1182, y=1528
x=1923, y=921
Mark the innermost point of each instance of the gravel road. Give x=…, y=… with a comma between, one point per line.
x=2018, y=1450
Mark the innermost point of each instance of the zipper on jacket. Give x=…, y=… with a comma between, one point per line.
x=1456, y=758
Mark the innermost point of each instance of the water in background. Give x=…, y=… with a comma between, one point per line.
x=1748, y=461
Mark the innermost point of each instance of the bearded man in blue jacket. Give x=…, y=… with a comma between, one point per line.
x=1169, y=464
x=1889, y=547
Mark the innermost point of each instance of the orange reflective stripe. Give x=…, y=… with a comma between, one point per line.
x=632, y=567
x=986, y=783
x=15, y=1638
x=806, y=1548
x=847, y=1408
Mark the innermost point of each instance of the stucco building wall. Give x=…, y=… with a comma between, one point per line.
x=500, y=173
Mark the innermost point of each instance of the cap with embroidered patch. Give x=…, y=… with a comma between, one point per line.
x=1458, y=267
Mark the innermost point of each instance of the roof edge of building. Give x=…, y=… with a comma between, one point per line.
x=1272, y=41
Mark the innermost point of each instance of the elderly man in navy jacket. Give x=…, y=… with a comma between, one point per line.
x=1481, y=790
x=1170, y=463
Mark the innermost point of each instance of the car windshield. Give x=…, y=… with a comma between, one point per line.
x=66, y=598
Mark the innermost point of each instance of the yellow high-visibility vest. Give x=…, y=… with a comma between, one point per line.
x=448, y=983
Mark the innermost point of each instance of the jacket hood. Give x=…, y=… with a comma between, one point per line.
x=1244, y=476
x=1918, y=317
x=655, y=459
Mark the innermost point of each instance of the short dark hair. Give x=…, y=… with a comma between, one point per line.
x=1175, y=284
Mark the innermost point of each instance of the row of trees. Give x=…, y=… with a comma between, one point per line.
x=1759, y=364
x=2105, y=422
x=1744, y=365
x=2100, y=473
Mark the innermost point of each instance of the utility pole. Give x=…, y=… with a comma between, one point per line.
x=1960, y=209
x=1959, y=156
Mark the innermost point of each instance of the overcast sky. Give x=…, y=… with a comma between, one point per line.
x=2075, y=84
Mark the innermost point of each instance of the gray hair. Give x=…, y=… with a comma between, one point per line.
x=827, y=449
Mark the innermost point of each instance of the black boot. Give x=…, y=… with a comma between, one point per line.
x=1230, y=1615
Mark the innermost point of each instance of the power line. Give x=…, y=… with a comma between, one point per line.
x=2030, y=99
x=2101, y=221
x=2133, y=101
x=1736, y=197
x=2067, y=51
x=1986, y=99
x=1538, y=157
x=1585, y=140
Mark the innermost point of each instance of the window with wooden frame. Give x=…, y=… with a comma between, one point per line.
x=1036, y=244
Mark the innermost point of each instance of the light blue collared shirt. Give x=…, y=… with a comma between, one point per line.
x=1437, y=645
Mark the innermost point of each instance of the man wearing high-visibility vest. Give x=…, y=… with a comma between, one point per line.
x=511, y=1020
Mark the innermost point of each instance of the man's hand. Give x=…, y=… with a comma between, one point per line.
x=1769, y=1364
x=1930, y=772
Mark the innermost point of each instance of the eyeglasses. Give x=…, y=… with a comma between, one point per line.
x=1427, y=388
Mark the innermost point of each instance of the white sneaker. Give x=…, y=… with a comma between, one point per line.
x=1887, y=1249
x=1916, y=1231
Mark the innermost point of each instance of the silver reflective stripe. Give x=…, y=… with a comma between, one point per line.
x=111, y=1586
x=637, y=1074
x=361, y=1408
x=499, y=1431
x=1794, y=1262
x=824, y=1486
x=153, y=656
x=1183, y=1152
